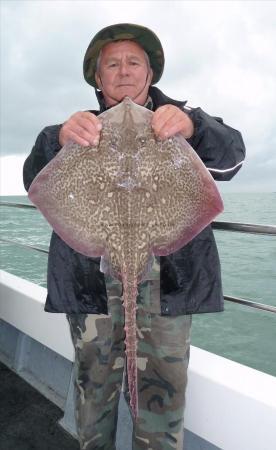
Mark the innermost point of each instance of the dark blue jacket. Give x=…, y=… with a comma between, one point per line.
x=190, y=279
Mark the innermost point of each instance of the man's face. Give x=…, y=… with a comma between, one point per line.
x=123, y=71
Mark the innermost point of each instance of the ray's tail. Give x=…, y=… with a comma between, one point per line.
x=129, y=298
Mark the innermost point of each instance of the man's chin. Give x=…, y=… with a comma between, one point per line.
x=136, y=97
x=127, y=93
x=119, y=97
x=132, y=97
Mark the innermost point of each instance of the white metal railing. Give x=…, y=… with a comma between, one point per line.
x=228, y=404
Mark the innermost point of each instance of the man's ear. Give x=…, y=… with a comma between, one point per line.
x=150, y=76
x=98, y=80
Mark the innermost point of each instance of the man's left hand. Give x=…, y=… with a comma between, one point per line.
x=169, y=120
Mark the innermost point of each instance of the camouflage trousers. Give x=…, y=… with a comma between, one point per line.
x=163, y=355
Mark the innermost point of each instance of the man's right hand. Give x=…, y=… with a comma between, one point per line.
x=83, y=128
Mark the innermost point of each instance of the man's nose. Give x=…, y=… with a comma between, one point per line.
x=124, y=68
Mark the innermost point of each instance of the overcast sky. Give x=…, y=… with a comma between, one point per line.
x=219, y=56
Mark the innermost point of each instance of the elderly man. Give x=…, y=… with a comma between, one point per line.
x=127, y=60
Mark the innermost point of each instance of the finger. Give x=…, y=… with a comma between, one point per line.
x=163, y=131
x=71, y=136
x=159, y=118
x=92, y=136
x=87, y=124
x=178, y=124
x=91, y=119
x=164, y=115
x=172, y=126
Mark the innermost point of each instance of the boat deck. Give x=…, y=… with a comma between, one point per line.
x=28, y=421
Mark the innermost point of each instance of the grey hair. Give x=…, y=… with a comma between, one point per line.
x=121, y=40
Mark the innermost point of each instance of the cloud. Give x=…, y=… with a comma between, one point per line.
x=218, y=56
x=11, y=180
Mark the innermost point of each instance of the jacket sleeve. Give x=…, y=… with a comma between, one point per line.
x=220, y=147
x=45, y=148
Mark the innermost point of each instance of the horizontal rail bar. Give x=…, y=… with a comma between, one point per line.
x=250, y=303
x=216, y=225
x=245, y=227
x=242, y=301
x=18, y=205
x=32, y=247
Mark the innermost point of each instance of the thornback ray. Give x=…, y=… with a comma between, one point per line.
x=131, y=197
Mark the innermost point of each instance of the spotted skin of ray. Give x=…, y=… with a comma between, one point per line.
x=130, y=198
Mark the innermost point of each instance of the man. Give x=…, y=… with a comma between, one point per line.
x=126, y=60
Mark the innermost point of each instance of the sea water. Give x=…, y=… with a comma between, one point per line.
x=240, y=333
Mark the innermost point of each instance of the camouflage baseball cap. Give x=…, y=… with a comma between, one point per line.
x=146, y=38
